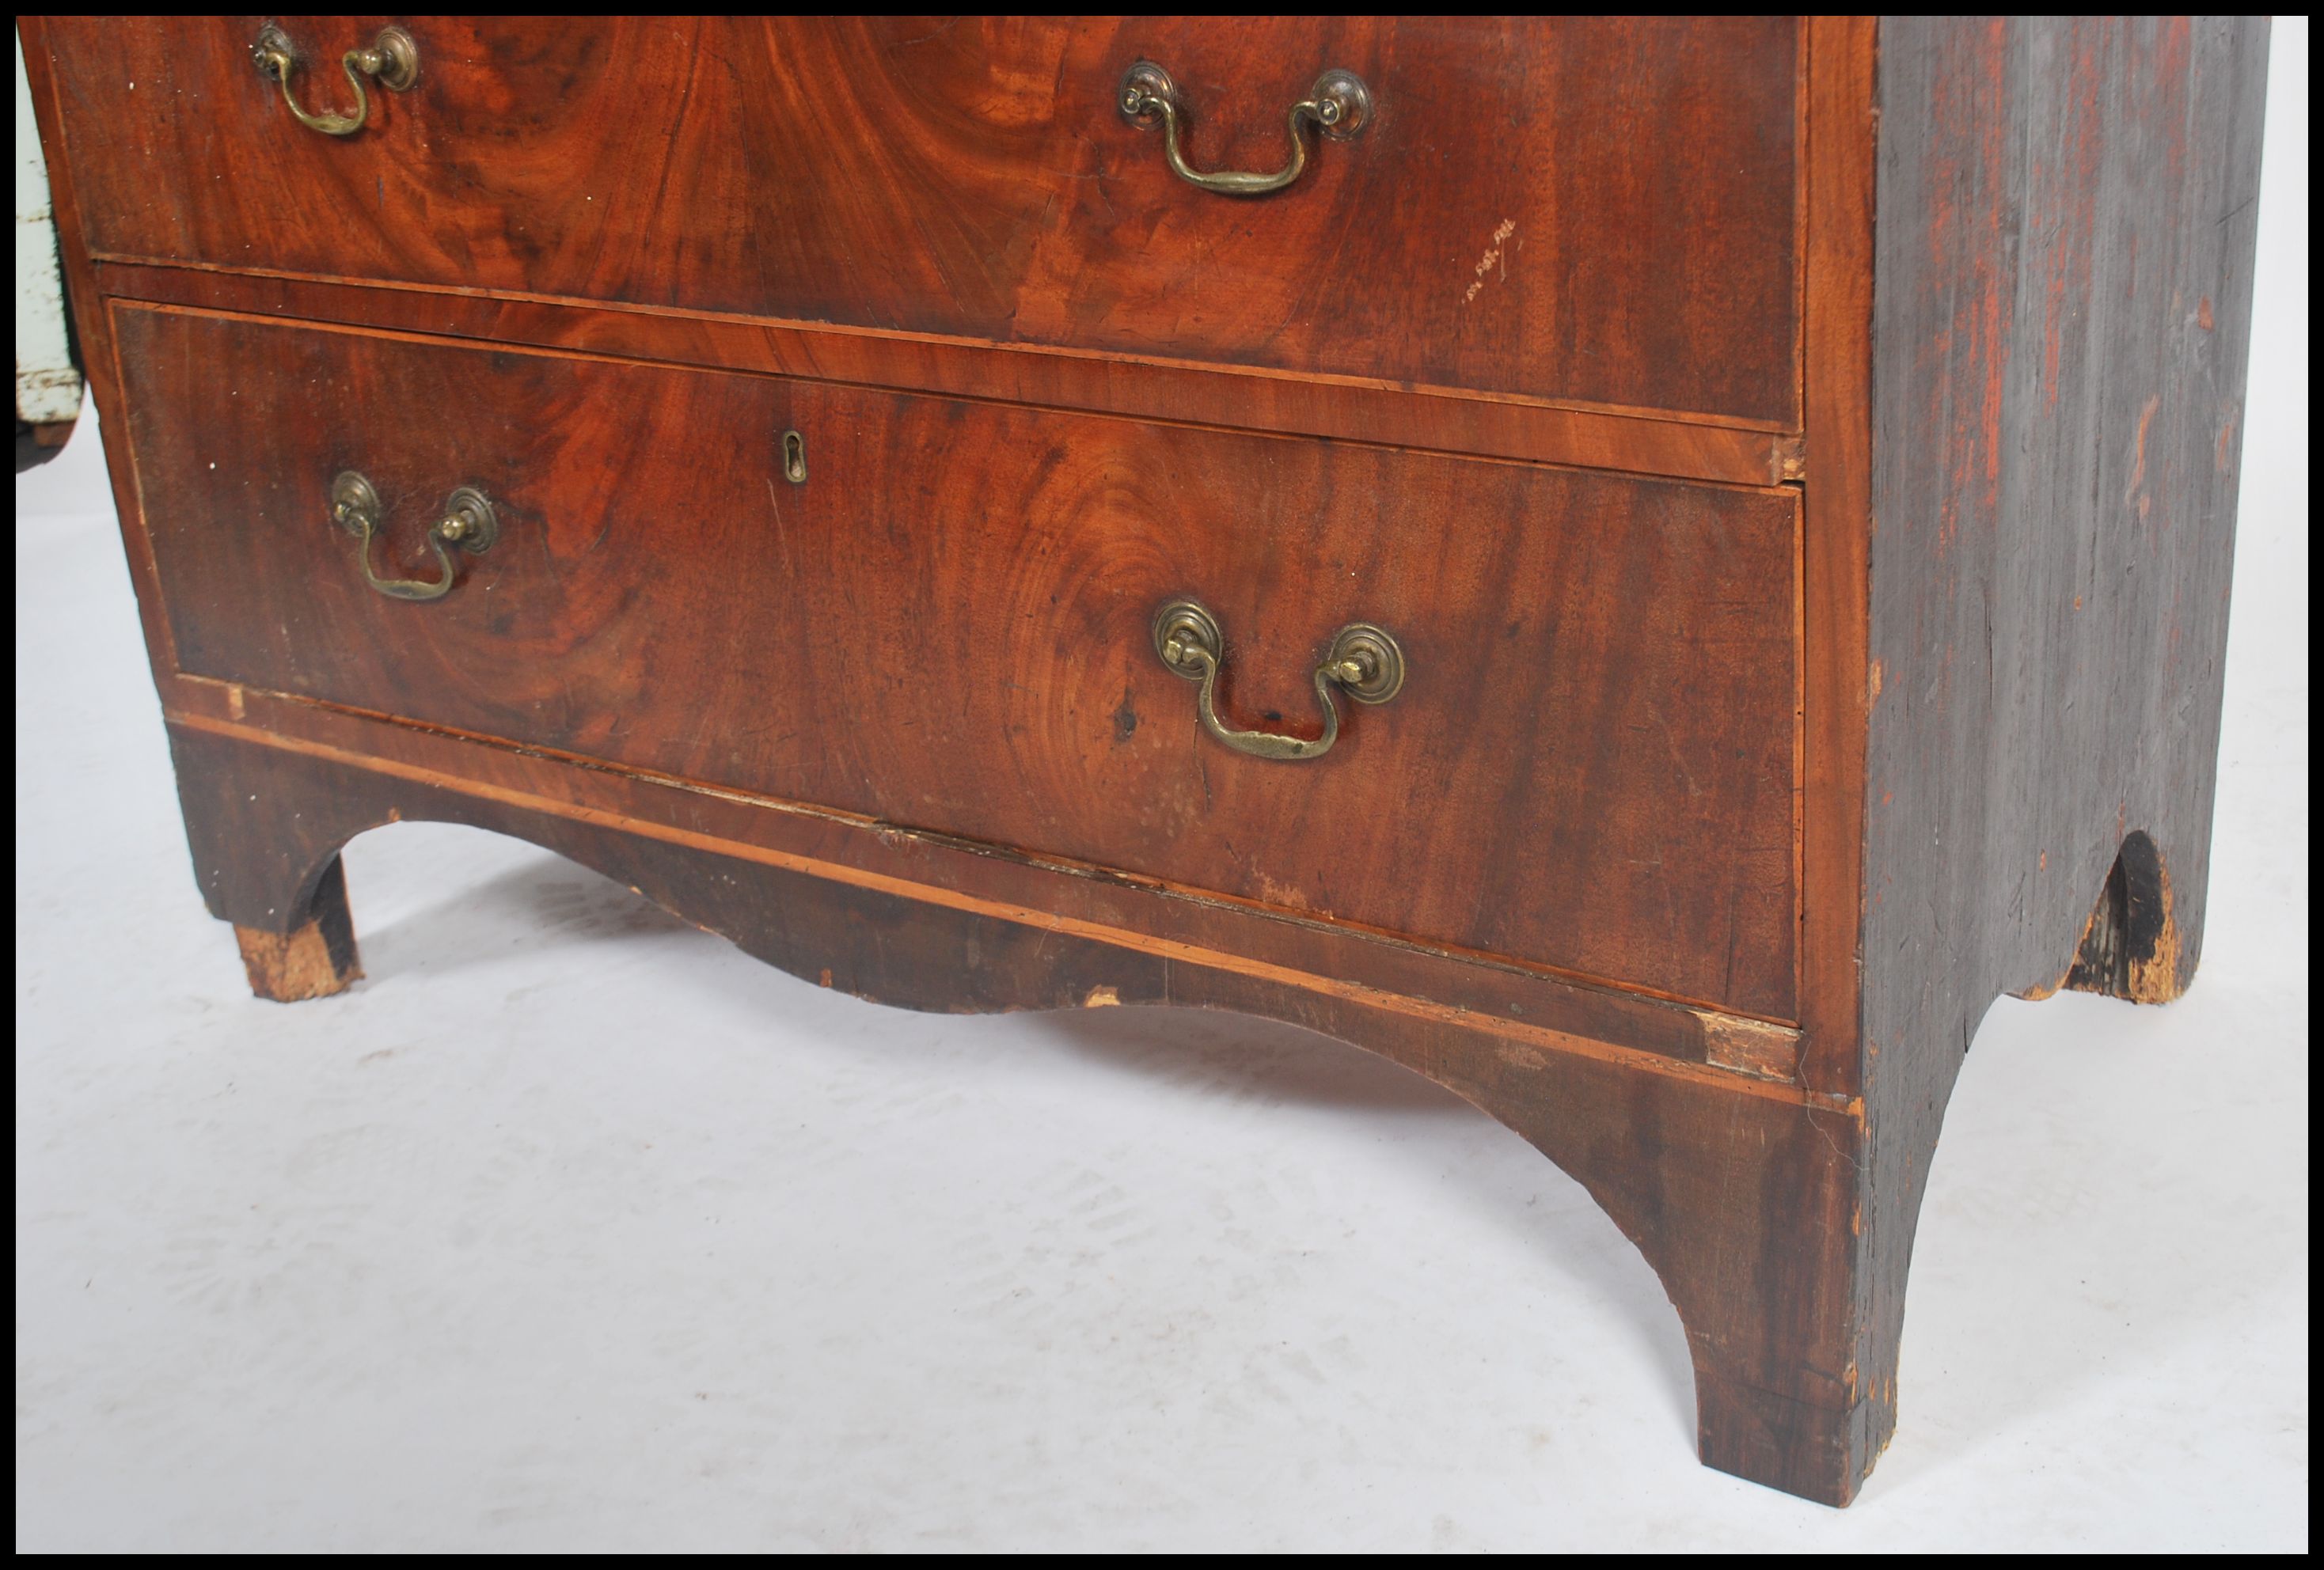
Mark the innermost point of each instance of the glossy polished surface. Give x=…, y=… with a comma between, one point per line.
x=1773, y=699
x=1589, y=210
x=947, y=627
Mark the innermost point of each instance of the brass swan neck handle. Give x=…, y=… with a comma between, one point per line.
x=1363, y=661
x=467, y=524
x=1338, y=104
x=392, y=60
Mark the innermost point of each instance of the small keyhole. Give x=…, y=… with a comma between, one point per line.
x=795, y=457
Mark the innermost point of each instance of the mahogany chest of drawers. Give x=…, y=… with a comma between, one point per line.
x=1646, y=569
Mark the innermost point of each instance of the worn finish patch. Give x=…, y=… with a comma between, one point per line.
x=1749, y=1046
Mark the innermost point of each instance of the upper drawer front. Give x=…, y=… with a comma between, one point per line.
x=1592, y=211
x=946, y=624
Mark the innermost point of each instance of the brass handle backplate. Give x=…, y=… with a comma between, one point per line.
x=469, y=524
x=1338, y=104
x=392, y=60
x=1363, y=661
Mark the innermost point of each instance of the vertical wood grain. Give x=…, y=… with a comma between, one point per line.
x=1835, y=574
x=2067, y=225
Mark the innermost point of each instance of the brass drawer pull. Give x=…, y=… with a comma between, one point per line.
x=1363, y=661
x=393, y=58
x=469, y=524
x=1338, y=103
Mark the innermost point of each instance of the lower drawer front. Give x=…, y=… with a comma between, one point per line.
x=944, y=624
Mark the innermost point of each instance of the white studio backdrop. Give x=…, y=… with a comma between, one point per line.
x=574, y=1228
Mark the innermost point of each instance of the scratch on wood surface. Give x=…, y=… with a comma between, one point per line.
x=1495, y=256
x=2138, y=458
x=782, y=536
x=925, y=37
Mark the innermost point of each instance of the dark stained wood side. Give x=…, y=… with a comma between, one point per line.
x=1737, y=1194
x=1593, y=210
x=947, y=628
x=1344, y=408
x=2067, y=221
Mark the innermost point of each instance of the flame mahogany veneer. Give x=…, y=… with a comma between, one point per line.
x=1796, y=460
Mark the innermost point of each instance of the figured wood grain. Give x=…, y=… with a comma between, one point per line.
x=946, y=627
x=1345, y=409
x=1951, y=704
x=1600, y=210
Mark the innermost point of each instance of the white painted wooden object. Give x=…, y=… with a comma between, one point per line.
x=48, y=387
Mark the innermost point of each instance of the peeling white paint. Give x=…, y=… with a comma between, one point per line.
x=48, y=387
